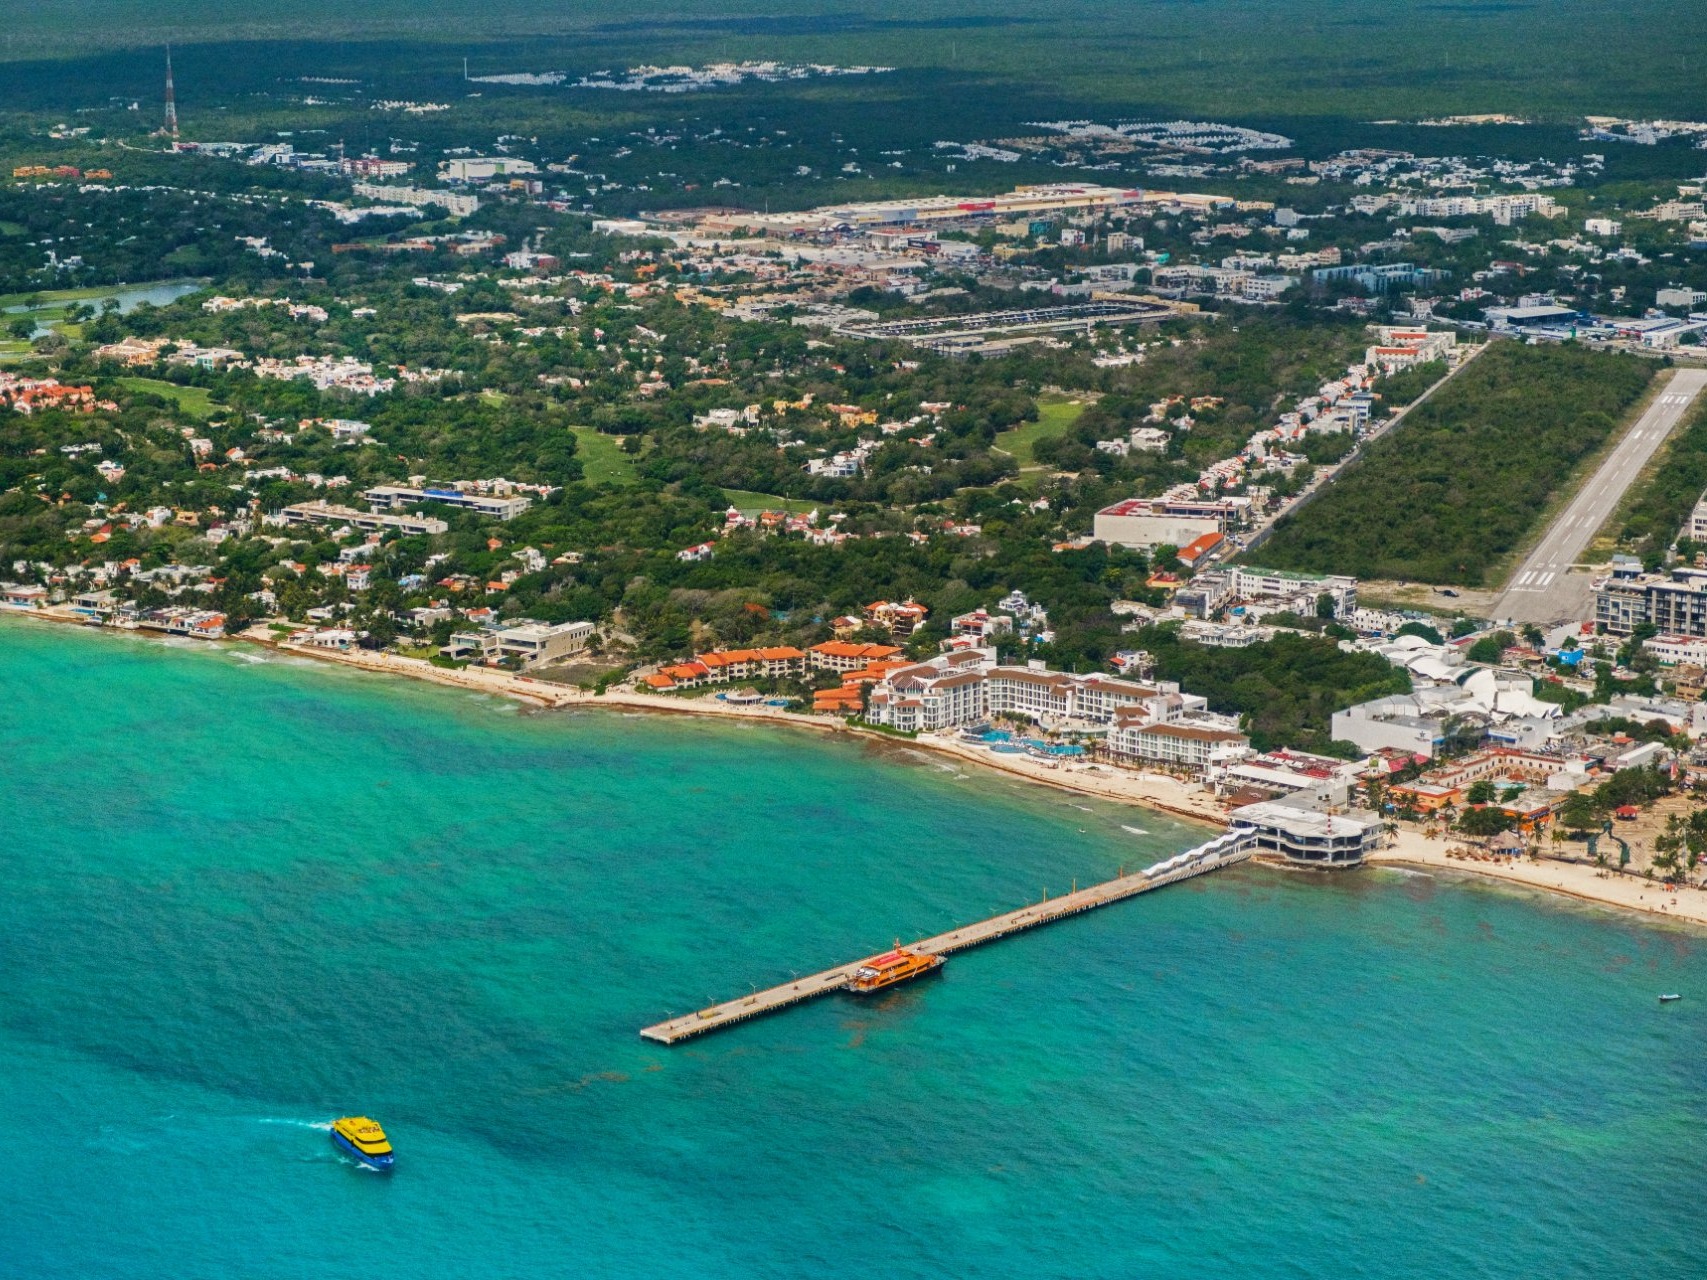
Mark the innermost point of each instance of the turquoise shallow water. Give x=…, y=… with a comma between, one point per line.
x=242, y=897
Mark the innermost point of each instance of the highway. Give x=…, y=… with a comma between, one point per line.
x=1544, y=588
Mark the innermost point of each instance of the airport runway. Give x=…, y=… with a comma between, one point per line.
x=1544, y=588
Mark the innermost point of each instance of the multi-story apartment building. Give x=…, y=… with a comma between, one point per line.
x=1678, y=650
x=1676, y=603
x=393, y=497
x=914, y=702
x=899, y=619
x=1038, y=694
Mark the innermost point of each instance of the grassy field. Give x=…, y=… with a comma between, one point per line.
x=1054, y=415
x=602, y=458
x=189, y=399
x=747, y=500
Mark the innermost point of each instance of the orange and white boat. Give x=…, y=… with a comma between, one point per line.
x=892, y=968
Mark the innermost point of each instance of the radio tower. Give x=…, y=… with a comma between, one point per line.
x=171, y=126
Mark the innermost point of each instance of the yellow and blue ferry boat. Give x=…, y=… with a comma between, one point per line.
x=363, y=1139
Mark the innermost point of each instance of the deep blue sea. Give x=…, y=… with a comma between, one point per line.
x=244, y=895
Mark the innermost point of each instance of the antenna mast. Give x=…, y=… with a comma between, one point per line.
x=171, y=126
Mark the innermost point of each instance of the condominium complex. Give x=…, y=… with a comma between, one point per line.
x=1197, y=747
x=720, y=666
x=1251, y=583
x=1402, y=347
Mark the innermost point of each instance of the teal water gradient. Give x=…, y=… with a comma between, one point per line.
x=242, y=897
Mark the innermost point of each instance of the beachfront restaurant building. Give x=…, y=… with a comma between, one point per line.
x=1307, y=836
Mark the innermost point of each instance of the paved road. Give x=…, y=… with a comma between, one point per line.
x=1326, y=475
x=1544, y=588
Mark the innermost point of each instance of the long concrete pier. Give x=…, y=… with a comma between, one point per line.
x=1223, y=851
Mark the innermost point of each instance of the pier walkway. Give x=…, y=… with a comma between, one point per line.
x=1223, y=851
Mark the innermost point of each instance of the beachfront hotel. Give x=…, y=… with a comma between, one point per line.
x=1139, y=723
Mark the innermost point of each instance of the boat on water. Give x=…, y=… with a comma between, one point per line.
x=891, y=969
x=363, y=1140
x=1669, y=997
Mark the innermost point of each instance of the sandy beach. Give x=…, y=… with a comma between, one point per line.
x=1586, y=883
x=1152, y=790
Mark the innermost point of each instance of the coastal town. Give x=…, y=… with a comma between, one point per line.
x=1018, y=471
x=823, y=640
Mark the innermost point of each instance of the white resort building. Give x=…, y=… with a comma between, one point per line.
x=1140, y=723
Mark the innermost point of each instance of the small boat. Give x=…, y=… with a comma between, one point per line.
x=892, y=968
x=363, y=1140
x=1669, y=997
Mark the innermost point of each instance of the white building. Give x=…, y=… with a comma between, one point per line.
x=1302, y=834
x=1385, y=723
x=1134, y=736
x=484, y=168
x=1678, y=650
x=981, y=624
x=1675, y=297
x=1252, y=583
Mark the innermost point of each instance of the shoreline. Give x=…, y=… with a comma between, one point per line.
x=1586, y=884
x=1158, y=792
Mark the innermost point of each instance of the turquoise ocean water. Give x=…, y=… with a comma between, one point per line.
x=243, y=896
